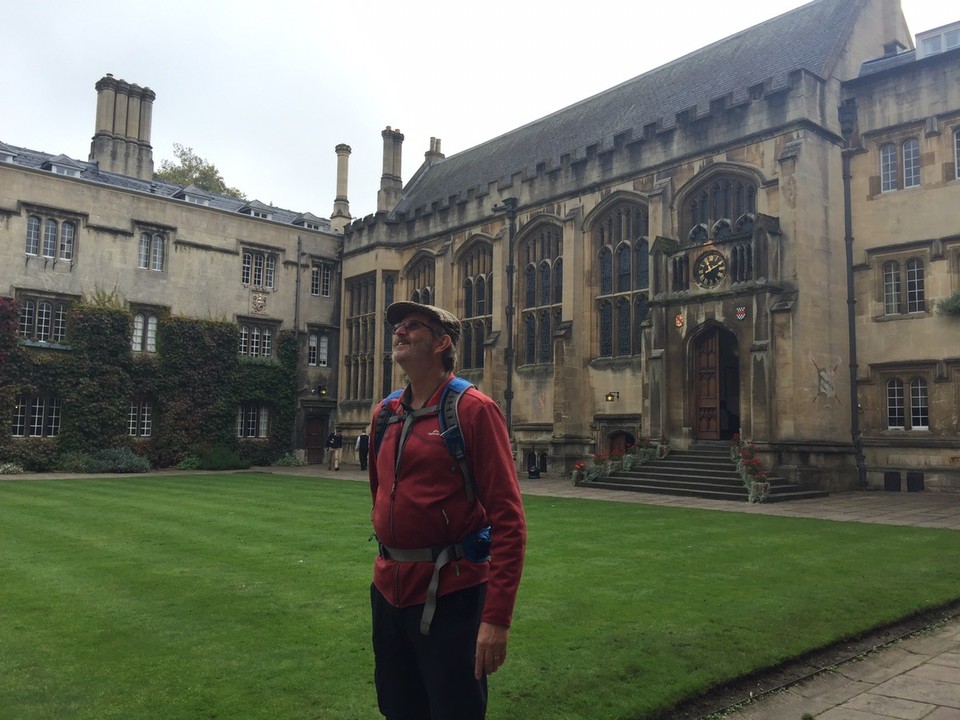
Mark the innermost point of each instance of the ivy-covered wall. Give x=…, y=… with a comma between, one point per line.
x=195, y=383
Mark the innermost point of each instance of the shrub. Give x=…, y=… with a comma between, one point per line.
x=289, y=460
x=10, y=469
x=191, y=462
x=79, y=462
x=222, y=458
x=949, y=305
x=118, y=460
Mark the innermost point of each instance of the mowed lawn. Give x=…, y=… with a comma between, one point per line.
x=245, y=596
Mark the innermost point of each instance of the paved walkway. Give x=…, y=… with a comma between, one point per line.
x=917, y=678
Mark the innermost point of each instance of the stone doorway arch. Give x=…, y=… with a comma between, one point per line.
x=716, y=396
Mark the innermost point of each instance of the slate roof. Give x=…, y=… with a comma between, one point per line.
x=91, y=171
x=808, y=38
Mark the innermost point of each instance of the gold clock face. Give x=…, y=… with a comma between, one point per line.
x=710, y=269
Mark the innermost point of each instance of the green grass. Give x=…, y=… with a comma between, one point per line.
x=246, y=596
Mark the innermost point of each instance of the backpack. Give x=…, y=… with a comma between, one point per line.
x=446, y=409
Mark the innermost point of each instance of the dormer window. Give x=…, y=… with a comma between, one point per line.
x=938, y=40
x=62, y=165
x=258, y=210
x=193, y=194
x=309, y=221
x=7, y=155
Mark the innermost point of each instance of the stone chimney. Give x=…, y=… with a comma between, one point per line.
x=433, y=154
x=121, y=141
x=341, y=205
x=391, y=182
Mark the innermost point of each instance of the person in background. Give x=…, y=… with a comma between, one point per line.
x=363, y=448
x=334, y=449
x=446, y=576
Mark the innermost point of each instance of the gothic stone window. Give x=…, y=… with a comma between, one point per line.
x=421, y=281
x=541, y=290
x=620, y=239
x=360, y=337
x=722, y=206
x=476, y=271
x=389, y=293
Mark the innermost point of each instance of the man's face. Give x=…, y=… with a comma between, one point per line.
x=414, y=341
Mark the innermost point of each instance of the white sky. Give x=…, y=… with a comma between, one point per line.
x=265, y=91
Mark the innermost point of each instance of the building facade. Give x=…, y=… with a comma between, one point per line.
x=670, y=257
x=72, y=230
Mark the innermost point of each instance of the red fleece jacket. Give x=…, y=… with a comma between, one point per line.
x=424, y=503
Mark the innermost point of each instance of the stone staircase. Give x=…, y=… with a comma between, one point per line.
x=705, y=470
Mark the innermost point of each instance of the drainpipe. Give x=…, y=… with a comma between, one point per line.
x=510, y=206
x=848, y=119
x=296, y=333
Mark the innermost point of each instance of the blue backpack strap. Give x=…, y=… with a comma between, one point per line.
x=384, y=418
x=450, y=430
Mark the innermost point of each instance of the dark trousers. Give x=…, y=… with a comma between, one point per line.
x=420, y=677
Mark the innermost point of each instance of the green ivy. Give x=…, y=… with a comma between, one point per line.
x=195, y=379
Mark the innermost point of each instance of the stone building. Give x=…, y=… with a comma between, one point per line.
x=678, y=256
x=72, y=228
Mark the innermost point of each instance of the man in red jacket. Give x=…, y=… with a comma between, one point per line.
x=441, y=613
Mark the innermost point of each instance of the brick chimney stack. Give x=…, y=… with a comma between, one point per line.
x=121, y=141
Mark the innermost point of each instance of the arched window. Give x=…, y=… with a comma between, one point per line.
x=481, y=297
x=911, y=163
x=888, y=167
x=606, y=271
x=476, y=269
x=891, y=289
x=915, y=292
x=895, y=416
x=919, y=411
x=68, y=232
x=33, y=236
x=623, y=268
x=642, y=264
x=620, y=235
x=541, y=251
x=530, y=296
x=50, y=238
x=712, y=205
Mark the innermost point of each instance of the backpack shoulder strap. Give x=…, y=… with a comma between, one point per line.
x=383, y=418
x=450, y=430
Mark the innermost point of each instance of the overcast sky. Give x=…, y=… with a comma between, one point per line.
x=265, y=91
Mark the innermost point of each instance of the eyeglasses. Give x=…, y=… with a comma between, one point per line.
x=411, y=325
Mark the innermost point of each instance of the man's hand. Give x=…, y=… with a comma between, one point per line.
x=491, y=649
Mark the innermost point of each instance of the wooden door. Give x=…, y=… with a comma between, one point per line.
x=316, y=437
x=707, y=372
